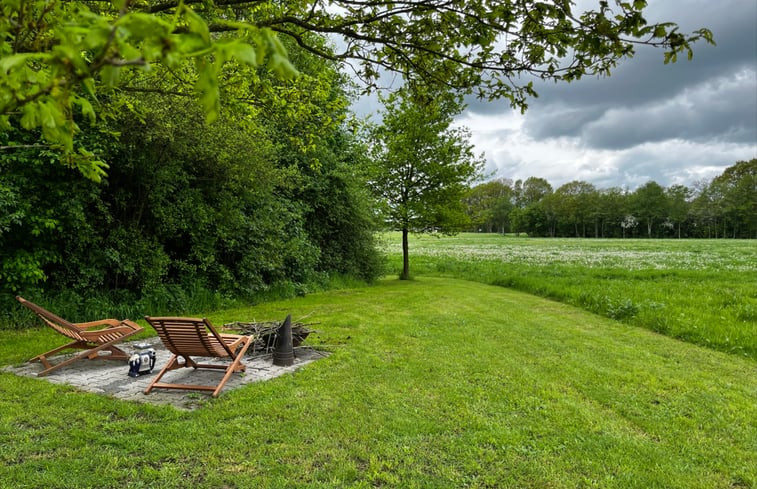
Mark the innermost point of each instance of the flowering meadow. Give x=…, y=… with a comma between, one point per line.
x=701, y=291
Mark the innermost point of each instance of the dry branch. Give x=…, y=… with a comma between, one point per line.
x=266, y=333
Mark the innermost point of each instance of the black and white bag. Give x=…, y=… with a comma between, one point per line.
x=142, y=363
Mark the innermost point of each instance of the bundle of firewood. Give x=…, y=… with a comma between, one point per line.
x=266, y=334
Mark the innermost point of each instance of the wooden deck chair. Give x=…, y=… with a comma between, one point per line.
x=193, y=337
x=85, y=337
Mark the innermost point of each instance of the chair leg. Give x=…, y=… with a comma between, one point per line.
x=235, y=366
x=51, y=367
x=171, y=365
x=232, y=368
x=73, y=344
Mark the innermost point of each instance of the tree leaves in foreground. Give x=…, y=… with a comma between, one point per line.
x=58, y=58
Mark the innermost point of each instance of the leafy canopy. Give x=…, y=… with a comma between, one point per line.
x=424, y=163
x=58, y=58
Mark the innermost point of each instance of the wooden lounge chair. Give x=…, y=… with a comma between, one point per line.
x=193, y=337
x=85, y=337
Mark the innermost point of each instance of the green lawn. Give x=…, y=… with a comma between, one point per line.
x=431, y=383
x=701, y=291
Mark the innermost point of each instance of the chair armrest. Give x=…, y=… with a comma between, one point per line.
x=95, y=336
x=131, y=325
x=111, y=323
x=234, y=340
x=100, y=322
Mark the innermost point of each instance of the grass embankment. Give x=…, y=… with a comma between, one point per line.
x=433, y=383
x=701, y=291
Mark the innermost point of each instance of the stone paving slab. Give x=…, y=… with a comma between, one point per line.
x=111, y=377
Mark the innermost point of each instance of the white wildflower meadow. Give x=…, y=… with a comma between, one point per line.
x=592, y=253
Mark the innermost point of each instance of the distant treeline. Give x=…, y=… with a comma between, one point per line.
x=725, y=207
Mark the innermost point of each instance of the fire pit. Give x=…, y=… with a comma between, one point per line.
x=267, y=334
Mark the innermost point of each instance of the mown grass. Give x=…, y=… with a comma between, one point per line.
x=701, y=291
x=433, y=383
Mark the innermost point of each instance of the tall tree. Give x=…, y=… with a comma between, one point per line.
x=531, y=191
x=611, y=205
x=704, y=209
x=738, y=188
x=678, y=205
x=424, y=165
x=489, y=205
x=575, y=203
x=649, y=203
x=59, y=58
x=535, y=211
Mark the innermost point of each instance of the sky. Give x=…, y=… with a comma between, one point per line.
x=679, y=123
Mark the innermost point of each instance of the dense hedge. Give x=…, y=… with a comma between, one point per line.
x=190, y=215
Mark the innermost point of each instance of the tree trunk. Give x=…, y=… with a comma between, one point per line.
x=405, y=257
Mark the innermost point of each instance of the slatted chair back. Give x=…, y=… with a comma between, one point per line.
x=195, y=337
x=190, y=337
x=56, y=322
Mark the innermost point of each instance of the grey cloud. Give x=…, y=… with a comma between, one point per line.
x=723, y=110
x=644, y=78
x=713, y=97
x=692, y=163
x=560, y=122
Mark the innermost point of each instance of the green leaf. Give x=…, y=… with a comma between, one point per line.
x=144, y=26
x=30, y=119
x=8, y=63
x=197, y=24
x=89, y=87
x=244, y=53
x=89, y=167
x=46, y=116
x=109, y=75
x=282, y=66
x=210, y=97
x=191, y=44
x=86, y=108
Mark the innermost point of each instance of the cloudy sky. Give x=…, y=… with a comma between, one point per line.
x=675, y=123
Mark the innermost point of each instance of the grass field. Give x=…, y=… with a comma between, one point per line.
x=701, y=291
x=432, y=383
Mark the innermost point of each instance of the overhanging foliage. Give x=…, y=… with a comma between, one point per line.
x=59, y=58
